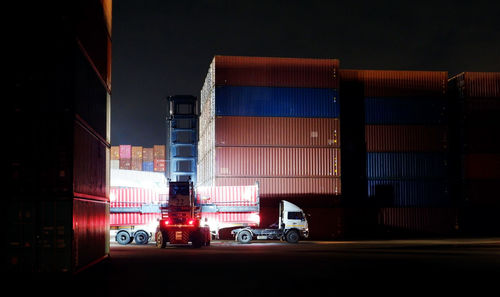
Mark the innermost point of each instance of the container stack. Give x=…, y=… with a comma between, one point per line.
x=406, y=135
x=476, y=100
x=147, y=159
x=273, y=121
x=138, y=158
x=58, y=197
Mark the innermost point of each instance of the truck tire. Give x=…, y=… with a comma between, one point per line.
x=244, y=236
x=123, y=237
x=292, y=236
x=161, y=242
x=141, y=237
x=197, y=239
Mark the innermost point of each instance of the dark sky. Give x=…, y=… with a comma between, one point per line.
x=163, y=48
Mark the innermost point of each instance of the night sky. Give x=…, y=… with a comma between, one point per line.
x=163, y=48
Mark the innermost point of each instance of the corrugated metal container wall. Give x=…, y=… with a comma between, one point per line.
x=234, y=195
x=275, y=186
x=277, y=131
x=419, y=220
x=277, y=72
x=159, y=152
x=276, y=102
x=147, y=155
x=159, y=165
x=136, y=163
x=408, y=193
x=125, y=164
x=479, y=84
x=147, y=166
x=404, y=138
x=482, y=166
x=90, y=163
x=406, y=165
x=277, y=162
x=481, y=192
x=405, y=110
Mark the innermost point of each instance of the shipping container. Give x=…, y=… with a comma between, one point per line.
x=406, y=165
x=125, y=151
x=115, y=152
x=136, y=164
x=406, y=138
x=481, y=192
x=276, y=102
x=482, y=166
x=477, y=84
x=147, y=155
x=159, y=165
x=481, y=136
x=274, y=72
x=126, y=164
x=408, y=192
x=286, y=187
x=148, y=166
x=277, y=162
x=248, y=195
x=398, y=83
x=419, y=220
x=159, y=152
x=137, y=152
x=277, y=131
x=406, y=110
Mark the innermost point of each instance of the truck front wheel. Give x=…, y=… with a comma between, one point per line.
x=161, y=243
x=292, y=236
x=244, y=236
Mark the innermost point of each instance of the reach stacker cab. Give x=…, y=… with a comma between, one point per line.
x=292, y=226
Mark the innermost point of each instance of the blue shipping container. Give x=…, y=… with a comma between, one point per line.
x=276, y=102
x=404, y=110
x=409, y=193
x=147, y=166
x=406, y=165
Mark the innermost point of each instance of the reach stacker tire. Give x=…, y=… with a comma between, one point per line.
x=161, y=243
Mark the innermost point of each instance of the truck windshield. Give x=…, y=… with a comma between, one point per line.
x=295, y=215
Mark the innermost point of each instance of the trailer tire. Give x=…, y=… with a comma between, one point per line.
x=161, y=243
x=123, y=238
x=292, y=236
x=141, y=237
x=244, y=236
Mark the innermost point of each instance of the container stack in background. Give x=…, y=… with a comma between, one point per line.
x=406, y=135
x=58, y=197
x=138, y=158
x=274, y=121
x=475, y=98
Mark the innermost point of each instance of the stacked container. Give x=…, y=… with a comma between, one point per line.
x=126, y=157
x=406, y=136
x=58, y=197
x=476, y=100
x=272, y=121
x=147, y=159
x=136, y=163
x=159, y=155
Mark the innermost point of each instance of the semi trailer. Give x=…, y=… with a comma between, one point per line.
x=291, y=226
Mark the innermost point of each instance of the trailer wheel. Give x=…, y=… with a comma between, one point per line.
x=123, y=237
x=141, y=237
x=161, y=243
x=292, y=236
x=244, y=236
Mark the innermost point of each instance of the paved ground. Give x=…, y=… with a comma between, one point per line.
x=274, y=268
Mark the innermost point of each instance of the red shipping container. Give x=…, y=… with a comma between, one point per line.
x=159, y=165
x=125, y=152
x=482, y=166
x=147, y=155
x=233, y=196
x=406, y=138
x=276, y=72
x=277, y=131
x=273, y=186
x=125, y=164
x=277, y=162
x=394, y=83
x=478, y=84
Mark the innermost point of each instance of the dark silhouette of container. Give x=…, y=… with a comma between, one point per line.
x=406, y=138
